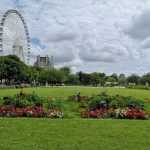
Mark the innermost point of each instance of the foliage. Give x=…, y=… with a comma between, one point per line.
x=23, y=100
x=106, y=106
x=122, y=80
x=133, y=79
x=12, y=70
x=52, y=77
x=34, y=99
x=72, y=80
x=98, y=106
x=29, y=105
x=116, y=101
x=55, y=104
x=121, y=102
x=101, y=100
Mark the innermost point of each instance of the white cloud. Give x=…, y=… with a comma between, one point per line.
x=89, y=33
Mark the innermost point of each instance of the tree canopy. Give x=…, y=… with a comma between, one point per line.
x=14, y=71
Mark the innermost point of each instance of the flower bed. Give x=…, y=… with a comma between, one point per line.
x=127, y=113
x=118, y=107
x=98, y=106
x=9, y=111
x=29, y=105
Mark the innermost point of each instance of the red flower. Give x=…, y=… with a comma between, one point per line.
x=93, y=114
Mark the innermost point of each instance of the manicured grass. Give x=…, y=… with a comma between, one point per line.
x=74, y=134
x=67, y=91
x=45, y=134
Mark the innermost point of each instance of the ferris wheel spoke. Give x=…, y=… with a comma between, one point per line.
x=14, y=35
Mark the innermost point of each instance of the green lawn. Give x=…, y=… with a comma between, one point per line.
x=74, y=134
x=64, y=92
x=67, y=91
x=45, y=134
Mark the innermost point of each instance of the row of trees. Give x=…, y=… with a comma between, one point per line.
x=13, y=71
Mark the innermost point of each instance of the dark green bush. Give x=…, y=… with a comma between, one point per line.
x=101, y=100
x=117, y=101
x=23, y=100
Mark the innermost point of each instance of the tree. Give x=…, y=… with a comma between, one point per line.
x=115, y=76
x=43, y=77
x=52, y=77
x=66, y=73
x=133, y=79
x=84, y=78
x=102, y=78
x=111, y=79
x=2, y=69
x=122, y=79
x=80, y=74
x=66, y=70
x=60, y=76
x=12, y=70
x=33, y=75
x=145, y=79
x=73, y=79
x=94, y=79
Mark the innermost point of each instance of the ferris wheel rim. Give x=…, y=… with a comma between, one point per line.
x=2, y=25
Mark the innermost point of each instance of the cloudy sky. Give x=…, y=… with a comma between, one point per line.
x=89, y=35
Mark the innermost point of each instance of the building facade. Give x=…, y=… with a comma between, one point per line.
x=44, y=62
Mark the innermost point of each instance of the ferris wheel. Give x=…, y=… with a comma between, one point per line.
x=14, y=36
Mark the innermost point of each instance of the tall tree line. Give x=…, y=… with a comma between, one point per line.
x=13, y=71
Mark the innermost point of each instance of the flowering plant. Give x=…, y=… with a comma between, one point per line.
x=55, y=114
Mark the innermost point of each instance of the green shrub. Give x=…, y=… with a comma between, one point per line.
x=23, y=100
x=99, y=101
x=117, y=101
x=54, y=104
x=132, y=102
x=8, y=101
x=34, y=99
